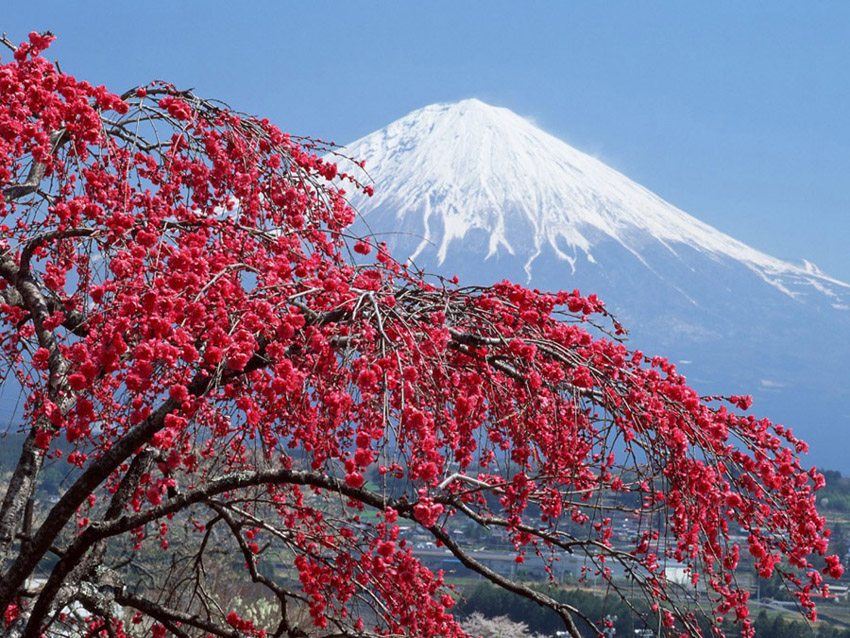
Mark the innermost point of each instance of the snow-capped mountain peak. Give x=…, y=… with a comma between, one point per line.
x=447, y=170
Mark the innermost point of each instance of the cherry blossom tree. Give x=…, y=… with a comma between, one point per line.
x=243, y=397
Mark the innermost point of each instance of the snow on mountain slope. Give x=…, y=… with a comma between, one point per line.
x=449, y=169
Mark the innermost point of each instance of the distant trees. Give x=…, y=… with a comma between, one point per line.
x=836, y=493
x=484, y=601
x=499, y=627
x=221, y=367
x=489, y=601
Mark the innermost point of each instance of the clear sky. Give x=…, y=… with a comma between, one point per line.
x=736, y=112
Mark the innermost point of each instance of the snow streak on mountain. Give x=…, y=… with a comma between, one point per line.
x=479, y=191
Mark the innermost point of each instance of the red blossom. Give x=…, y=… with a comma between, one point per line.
x=201, y=321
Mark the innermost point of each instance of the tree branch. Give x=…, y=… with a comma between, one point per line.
x=37, y=171
x=172, y=616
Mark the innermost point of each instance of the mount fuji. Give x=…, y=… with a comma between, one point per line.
x=478, y=191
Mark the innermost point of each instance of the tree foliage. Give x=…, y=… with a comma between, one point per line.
x=222, y=367
x=477, y=624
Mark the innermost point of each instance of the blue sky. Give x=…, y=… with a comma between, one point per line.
x=738, y=113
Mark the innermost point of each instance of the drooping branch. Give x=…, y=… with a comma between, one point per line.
x=172, y=617
x=98, y=532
